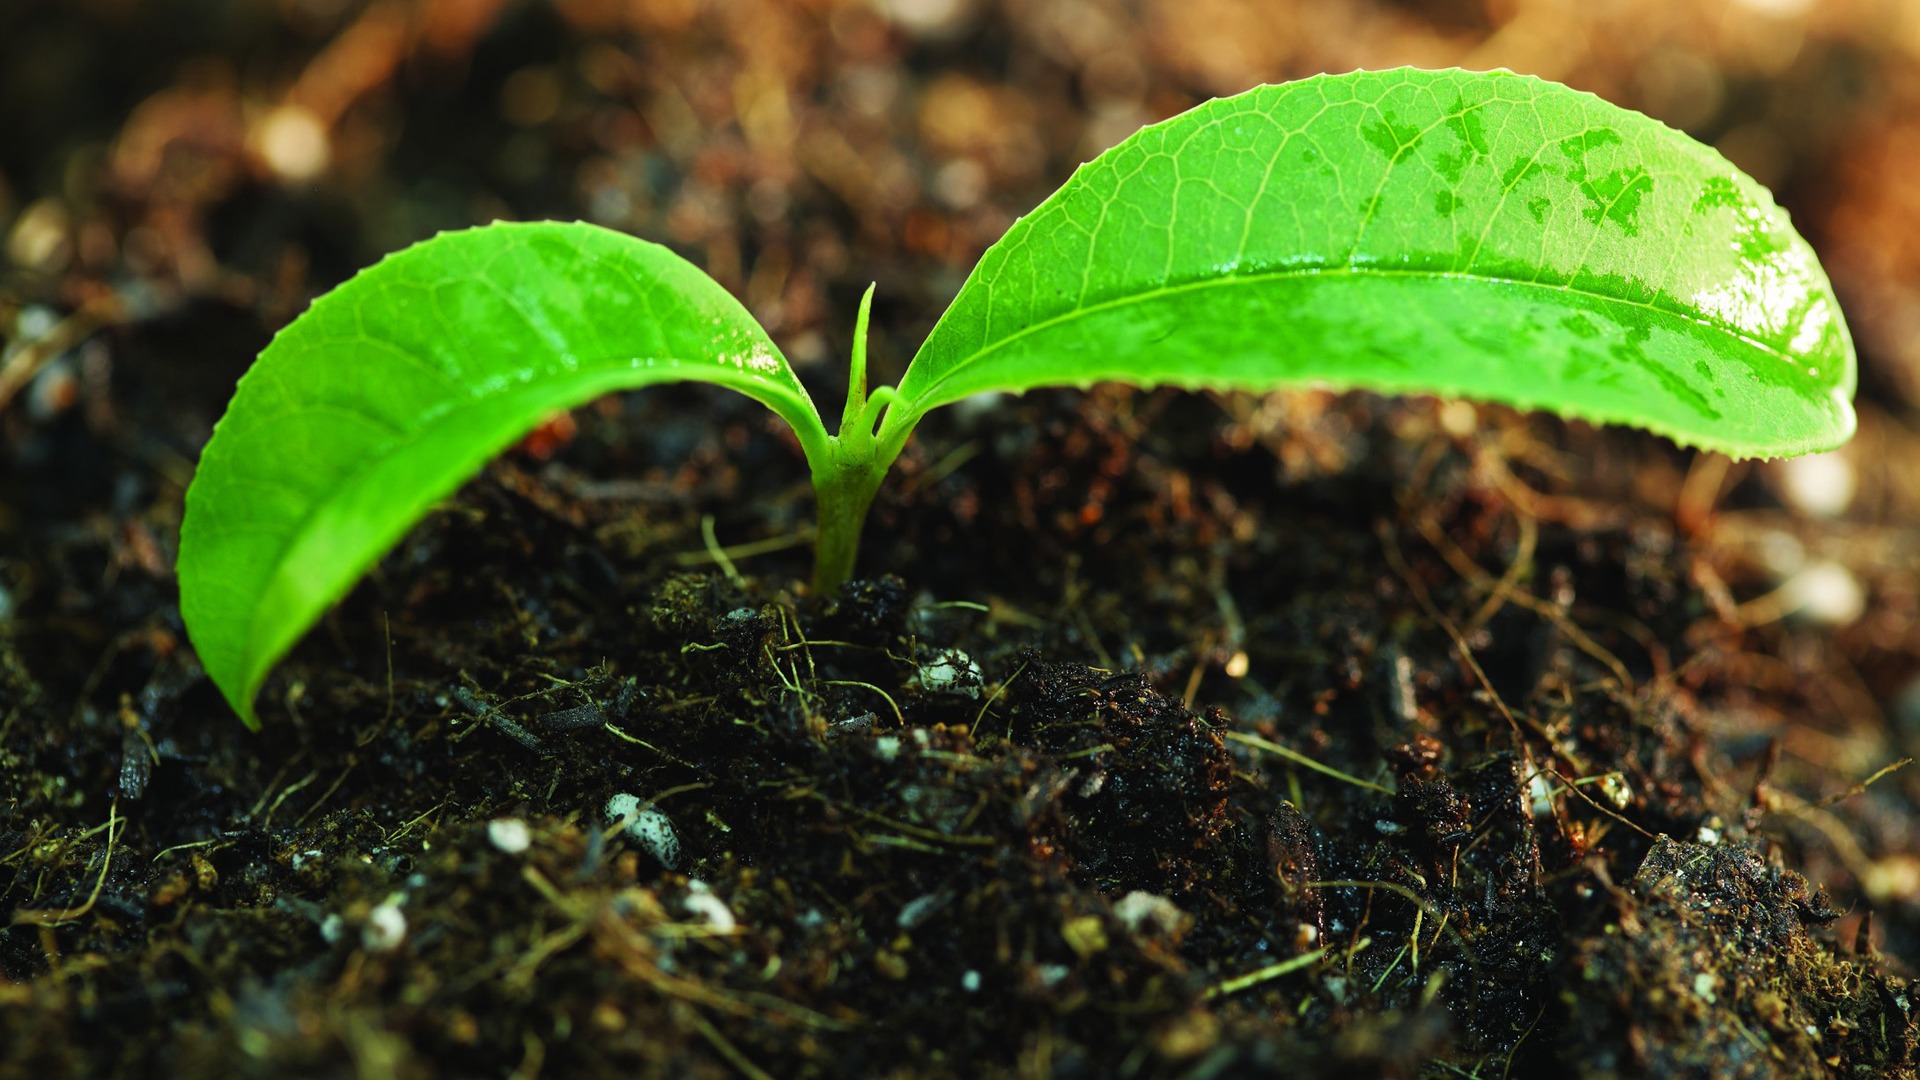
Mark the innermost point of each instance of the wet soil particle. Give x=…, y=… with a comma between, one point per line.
x=1706, y=967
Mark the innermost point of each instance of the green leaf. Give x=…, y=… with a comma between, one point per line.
x=1483, y=235
x=399, y=385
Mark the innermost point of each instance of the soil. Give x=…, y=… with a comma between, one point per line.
x=1172, y=735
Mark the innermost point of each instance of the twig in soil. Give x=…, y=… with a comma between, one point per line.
x=1574, y=787
x=719, y=554
x=897, y=714
x=1199, y=671
x=54, y=918
x=324, y=796
x=966, y=604
x=492, y=715
x=1515, y=1048
x=280, y=798
x=27, y=361
x=1390, y=547
x=728, y=1050
x=807, y=643
x=1506, y=590
x=164, y=852
x=1586, y=515
x=260, y=804
x=637, y=741
x=1846, y=846
x=748, y=550
x=633, y=952
x=1103, y=748
x=997, y=691
x=682, y=789
x=1415, y=899
x=790, y=676
x=395, y=837
x=1509, y=584
x=1861, y=787
x=1304, y=761
x=1268, y=973
x=1395, y=965
x=520, y=977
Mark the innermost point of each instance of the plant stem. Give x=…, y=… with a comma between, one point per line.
x=844, y=494
x=845, y=483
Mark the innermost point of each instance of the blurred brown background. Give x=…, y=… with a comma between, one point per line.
x=188, y=173
x=256, y=150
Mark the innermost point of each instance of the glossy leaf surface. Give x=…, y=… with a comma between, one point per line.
x=396, y=387
x=1483, y=235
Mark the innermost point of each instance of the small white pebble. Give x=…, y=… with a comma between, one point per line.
x=1540, y=796
x=1821, y=485
x=36, y=321
x=710, y=908
x=1459, y=418
x=294, y=143
x=928, y=18
x=648, y=827
x=887, y=746
x=386, y=926
x=970, y=982
x=1140, y=910
x=1707, y=835
x=1703, y=986
x=1828, y=593
x=961, y=184
x=951, y=672
x=331, y=928
x=510, y=835
x=921, y=909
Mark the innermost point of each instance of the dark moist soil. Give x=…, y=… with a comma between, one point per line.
x=1175, y=735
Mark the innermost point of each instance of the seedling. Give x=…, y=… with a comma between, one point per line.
x=1482, y=235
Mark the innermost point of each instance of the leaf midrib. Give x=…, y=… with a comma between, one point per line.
x=1199, y=285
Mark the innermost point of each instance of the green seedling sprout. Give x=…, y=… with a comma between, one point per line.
x=1480, y=235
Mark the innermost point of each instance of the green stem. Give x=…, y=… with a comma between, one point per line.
x=844, y=499
x=845, y=483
